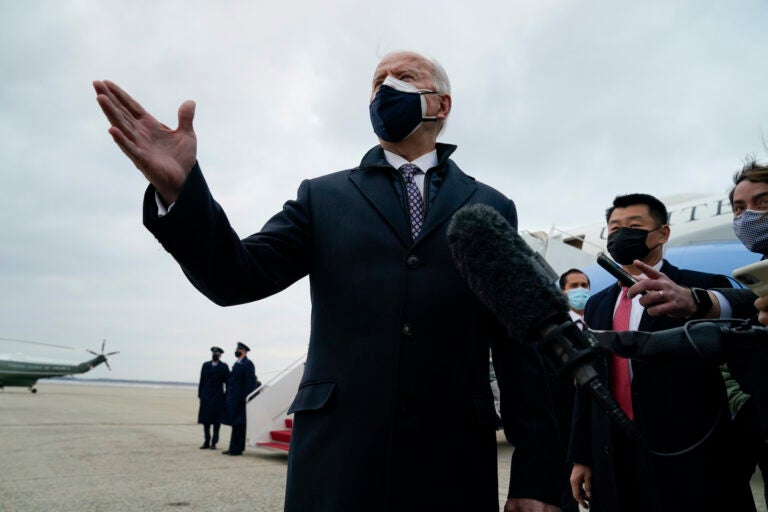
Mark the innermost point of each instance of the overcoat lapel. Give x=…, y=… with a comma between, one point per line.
x=453, y=192
x=374, y=180
x=375, y=183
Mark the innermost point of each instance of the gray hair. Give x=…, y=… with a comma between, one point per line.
x=439, y=77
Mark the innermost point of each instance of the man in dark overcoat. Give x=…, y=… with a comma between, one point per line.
x=395, y=411
x=679, y=407
x=211, y=391
x=242, y=381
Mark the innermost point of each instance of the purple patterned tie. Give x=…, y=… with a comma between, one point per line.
x=415, y=200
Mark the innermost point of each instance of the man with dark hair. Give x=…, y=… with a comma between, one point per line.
x=211, y=392
x=677, y=407
x=749, y=400
x=395, y=410
x=576, y=287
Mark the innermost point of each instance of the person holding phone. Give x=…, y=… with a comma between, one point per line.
x=749, y=201
x=673, y=405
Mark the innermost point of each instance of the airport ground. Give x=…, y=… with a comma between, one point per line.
x=104, y=448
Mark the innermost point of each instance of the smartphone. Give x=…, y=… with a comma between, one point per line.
x=754, y=277
x=615, y=270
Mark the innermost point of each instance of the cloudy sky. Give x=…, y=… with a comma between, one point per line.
x=559, y=104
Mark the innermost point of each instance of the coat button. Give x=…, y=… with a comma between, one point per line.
x=413, y=261
x=606, y=450
x=407, y=329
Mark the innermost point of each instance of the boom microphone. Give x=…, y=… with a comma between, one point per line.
x=497, y=264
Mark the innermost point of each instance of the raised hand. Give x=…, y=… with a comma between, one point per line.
x=164, y=156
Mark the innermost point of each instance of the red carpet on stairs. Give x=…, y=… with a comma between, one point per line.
x=280, y=439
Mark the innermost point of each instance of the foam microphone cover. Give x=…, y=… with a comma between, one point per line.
x=503, y=272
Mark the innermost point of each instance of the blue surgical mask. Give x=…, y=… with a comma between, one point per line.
x=397, y=109
x=578, y=297
x=751, y=227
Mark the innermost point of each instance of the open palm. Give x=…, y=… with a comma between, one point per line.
x=163, y=155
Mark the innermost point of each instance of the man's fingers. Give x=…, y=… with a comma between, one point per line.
x=126, y=146
x=649, y=271
x=125, y=99
x=576, y=491
x=117, y=117
x=186, y=115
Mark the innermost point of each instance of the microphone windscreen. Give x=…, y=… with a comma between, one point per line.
x=503, y=272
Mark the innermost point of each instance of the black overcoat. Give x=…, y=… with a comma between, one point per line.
x=210, y=391
x=242, y=381
x=675, y=404
x=395, y=410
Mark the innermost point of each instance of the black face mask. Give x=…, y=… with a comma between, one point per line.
x=238, y=353
x=628, y=244
x=216, y=357
x=397, y=109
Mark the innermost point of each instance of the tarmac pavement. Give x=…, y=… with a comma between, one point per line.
x=104, y=448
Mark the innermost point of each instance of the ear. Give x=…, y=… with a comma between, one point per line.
x=664, y=232
x=445, y=106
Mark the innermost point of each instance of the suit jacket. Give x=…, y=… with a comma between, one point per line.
x=210, y=391
x=395, y=409
x=242, y=381
x=674, y=405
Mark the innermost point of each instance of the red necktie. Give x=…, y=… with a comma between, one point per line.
x=621, y=383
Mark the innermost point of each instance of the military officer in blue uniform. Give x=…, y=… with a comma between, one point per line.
x=242, y=381
x=211, y=392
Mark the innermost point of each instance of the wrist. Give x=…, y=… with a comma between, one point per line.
x=702, y=301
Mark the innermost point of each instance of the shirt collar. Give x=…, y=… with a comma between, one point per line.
x=424, y=162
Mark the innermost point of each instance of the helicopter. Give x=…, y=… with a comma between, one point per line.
x=25, y=372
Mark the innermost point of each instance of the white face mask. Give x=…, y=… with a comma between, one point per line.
x=751, y=227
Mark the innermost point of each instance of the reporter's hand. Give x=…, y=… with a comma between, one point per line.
x=164, y=156
x=581, y=484
x=762, y=308
x=662, y=295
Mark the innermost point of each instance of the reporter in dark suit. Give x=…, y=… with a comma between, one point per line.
x=674, y=405
x=211, y=393
x=395, y=410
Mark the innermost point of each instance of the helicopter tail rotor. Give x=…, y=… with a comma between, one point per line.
x=102, y=354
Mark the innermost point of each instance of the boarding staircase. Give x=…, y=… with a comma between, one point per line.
x=268, y=424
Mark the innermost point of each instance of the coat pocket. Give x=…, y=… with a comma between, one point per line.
x=312, y=396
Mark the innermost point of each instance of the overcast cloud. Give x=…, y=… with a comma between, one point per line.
x=559, y=104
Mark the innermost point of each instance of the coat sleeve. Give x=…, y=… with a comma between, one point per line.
x=200, y=383
x=227, y=270
x=250, y=379
x=529, y=422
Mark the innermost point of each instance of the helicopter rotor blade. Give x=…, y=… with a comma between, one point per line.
x=112, y=353
x=92, y=352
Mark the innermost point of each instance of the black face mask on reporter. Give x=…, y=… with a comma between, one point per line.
x=629, y=244
x=397, y=109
